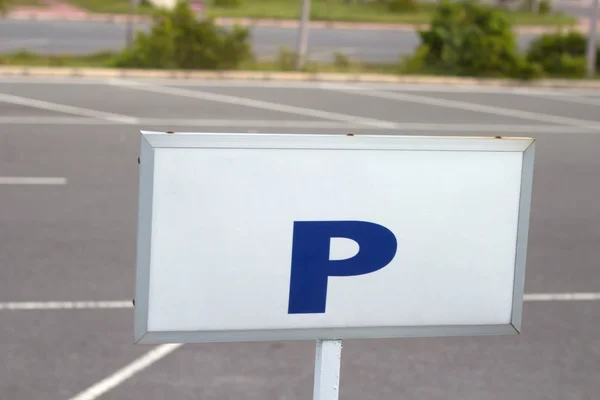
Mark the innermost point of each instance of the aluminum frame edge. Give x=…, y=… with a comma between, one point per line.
x=144, y=238
x=522, y=235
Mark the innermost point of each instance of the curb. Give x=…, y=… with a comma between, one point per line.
x=268, y=23
x=290, y=76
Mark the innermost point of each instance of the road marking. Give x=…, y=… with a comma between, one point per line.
x=407, y=126
x=53, y=80
x=33, y=120
x=296, y=124
x=255, y=123
x=44, y=120
x=161, y=351
x=126, y=304
x=464, y=88
x=63, y=108
x=283, y=84
x=466, y=106
x=64, y=305
x=562, y=297
x=412, y=87
x=120, y=376
x=32, y=180
x=244, y=101
x=567, y=97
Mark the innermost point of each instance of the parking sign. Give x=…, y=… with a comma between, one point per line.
x=249, y=237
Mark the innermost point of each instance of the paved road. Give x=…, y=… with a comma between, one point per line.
x=86, y=37
x=75, y=240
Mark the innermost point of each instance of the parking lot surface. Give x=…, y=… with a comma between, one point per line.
x=68, y=209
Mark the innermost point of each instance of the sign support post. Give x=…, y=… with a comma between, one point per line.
x=327, y=370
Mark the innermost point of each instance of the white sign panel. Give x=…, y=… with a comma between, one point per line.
x=247, y=237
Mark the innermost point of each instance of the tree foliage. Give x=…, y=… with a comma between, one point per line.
x=178, y=39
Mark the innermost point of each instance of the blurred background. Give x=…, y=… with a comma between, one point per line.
x=369, y=35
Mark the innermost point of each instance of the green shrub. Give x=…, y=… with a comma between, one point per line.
x=341, y=60
x=416, y=63
x=528, y=70
x=560, y=54
x=572, y=43
x=469, y=38
x=177, y=39
x=402, y=6
x=227, y=3
x=544, y=7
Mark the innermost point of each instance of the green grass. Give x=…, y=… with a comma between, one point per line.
x=325, y=10
x=281, y=63
x=337, y=10
x=359, y=68
x=25, y=3
x=25, y=58
x=109, y=6
x=7, y=5
x=106, y=60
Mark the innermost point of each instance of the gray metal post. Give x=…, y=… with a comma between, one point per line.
x=327, y=370
x=303, y=35
x=591, y=44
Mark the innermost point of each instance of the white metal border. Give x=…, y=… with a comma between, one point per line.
x=152, y=140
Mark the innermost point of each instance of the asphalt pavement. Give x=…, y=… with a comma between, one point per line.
x=68, y=209
x=77, y=37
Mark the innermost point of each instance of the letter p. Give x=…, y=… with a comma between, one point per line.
x=311, y=266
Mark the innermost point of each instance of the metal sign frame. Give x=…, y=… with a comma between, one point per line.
x=151, y=141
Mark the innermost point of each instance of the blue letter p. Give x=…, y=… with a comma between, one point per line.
x=311, y=265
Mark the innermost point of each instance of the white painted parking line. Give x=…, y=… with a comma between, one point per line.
x=283, y=84
x=44, y=120
x=120, y=376
x=250, y=123
x=567, y=97
x=244, y=101
x=53, y=80
x=64, y=305
x=32, y=180
x=562, y=297
x=405, y=127
x=156, y=354
x=466, y=106
x=125, y=304
x=465, y=88
x=411, y=87
x=63, y=108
